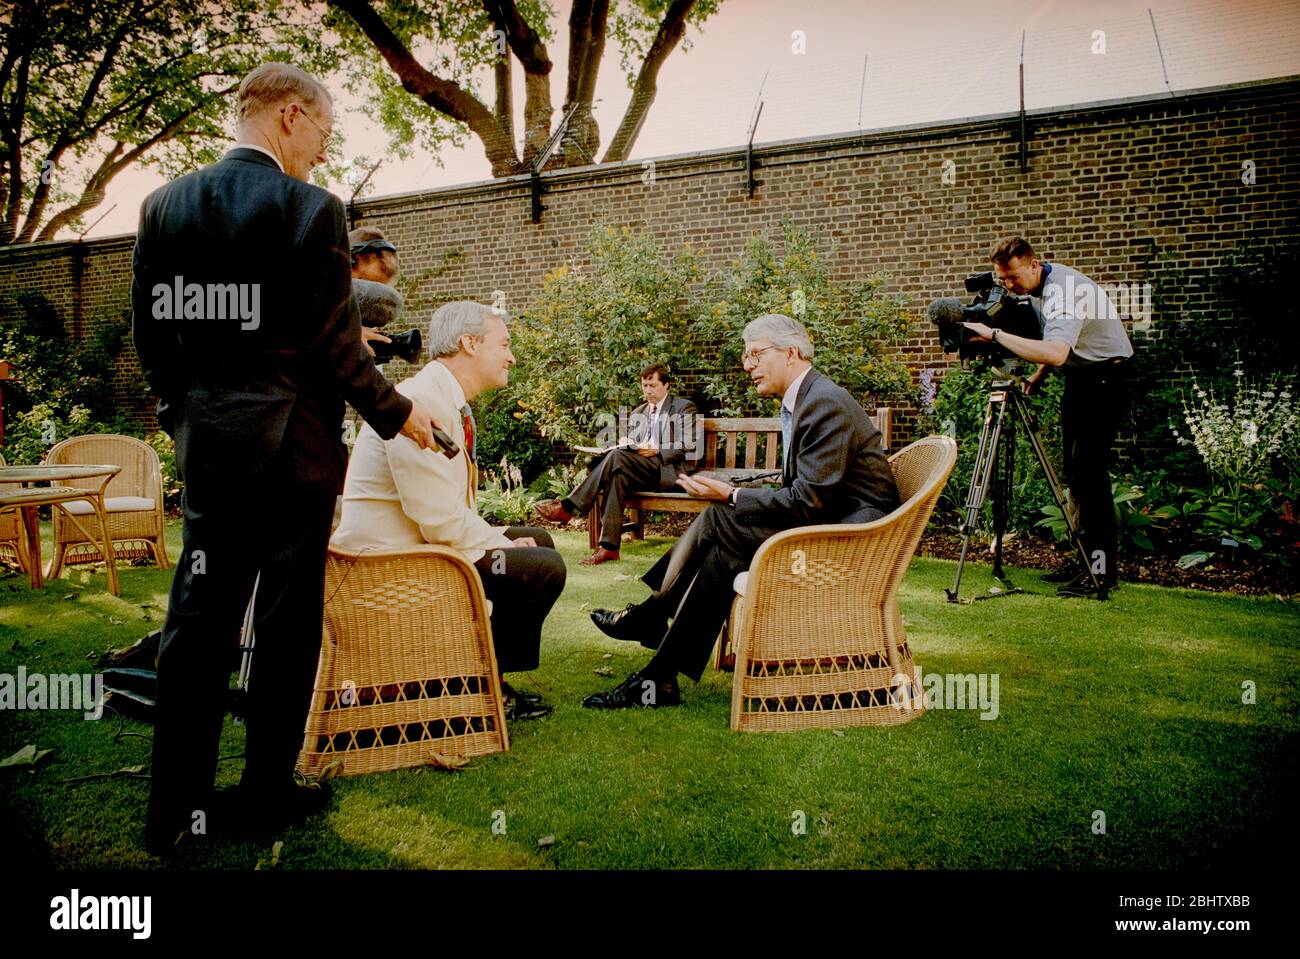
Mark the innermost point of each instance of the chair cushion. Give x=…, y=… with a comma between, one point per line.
x=740, y=582
x=113, y=504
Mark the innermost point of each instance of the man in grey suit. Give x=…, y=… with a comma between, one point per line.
x=834, y=472
x=662, y=434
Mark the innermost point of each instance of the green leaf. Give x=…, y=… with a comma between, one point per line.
x=29, y=755
x=1188, y=560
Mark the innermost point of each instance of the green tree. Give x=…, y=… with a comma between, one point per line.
x=583, y=342
x=434, y=98
x=854, y=328
x=90, y=89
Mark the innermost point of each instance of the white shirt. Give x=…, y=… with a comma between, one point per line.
x=254, y=146
x=792, y=391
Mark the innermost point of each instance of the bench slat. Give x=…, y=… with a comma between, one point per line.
x=751, y=450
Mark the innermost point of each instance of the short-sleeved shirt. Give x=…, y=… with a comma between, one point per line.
x=1077, y=311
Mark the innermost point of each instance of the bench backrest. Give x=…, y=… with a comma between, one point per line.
x=754, y=442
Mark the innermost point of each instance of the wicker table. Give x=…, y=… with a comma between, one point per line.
x=29, y=501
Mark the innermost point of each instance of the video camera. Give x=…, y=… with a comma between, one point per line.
x=381, y=304
x=992, y=306
x=405, y=345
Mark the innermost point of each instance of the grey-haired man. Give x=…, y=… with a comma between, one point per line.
x=834, y=472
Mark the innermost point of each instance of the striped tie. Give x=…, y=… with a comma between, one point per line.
x=470, y=449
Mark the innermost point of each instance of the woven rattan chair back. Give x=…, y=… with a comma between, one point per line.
x=12, y=548
x=818, y=637
x=136, y=529
x=407, y=669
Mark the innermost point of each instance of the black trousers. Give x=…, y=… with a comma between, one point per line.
x=523, y=584
x=281, y=528
x=1094, y=402
x=693, y=586
x=615, y=474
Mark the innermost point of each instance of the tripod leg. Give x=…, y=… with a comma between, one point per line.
x=979, y=480
x=1002, y=490
x=1058, y=494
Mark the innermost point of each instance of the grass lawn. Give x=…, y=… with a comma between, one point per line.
x=1131, y=707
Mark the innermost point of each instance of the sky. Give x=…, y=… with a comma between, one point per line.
x=835, y=66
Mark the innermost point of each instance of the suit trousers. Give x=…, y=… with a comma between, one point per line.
x=615, y=474
x=693, y=585
x=280, y=528
x=523, y=583
x=1092, y=405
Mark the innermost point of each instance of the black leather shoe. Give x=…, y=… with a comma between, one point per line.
x=259, y=815
x=1068, y=573
x=220, y=810
x=631, y=623
x=507, y=691
x=519, y=708
x=1083, y=587
x=636, y=691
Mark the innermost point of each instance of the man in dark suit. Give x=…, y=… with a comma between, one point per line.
x=834, y=472
x=662, y=434
x=247, y=331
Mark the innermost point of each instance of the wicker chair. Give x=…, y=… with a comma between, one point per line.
x=407, y=668
x=133, y=501
x=13, y=545
x=819, y=640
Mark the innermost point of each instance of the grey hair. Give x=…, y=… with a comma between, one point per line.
x=782, y=331
x=453, y=320
x=269, y=85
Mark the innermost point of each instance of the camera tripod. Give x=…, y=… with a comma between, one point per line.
x=986, y=477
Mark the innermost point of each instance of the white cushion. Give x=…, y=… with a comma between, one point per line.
x=740, y=582
x=113, y=504
x=489, y=606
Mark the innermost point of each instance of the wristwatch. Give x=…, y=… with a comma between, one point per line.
x=993, y=337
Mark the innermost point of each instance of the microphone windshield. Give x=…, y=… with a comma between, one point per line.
x=378, y=302
x=946, y=309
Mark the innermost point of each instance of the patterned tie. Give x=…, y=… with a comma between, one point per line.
x=654, y=424
x=787, y=418
x=472, y=450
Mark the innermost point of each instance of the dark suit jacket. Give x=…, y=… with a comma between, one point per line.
x=680, y=435
x=237, y=392
x=834, y=469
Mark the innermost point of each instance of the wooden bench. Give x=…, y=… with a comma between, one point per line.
x=727, y=441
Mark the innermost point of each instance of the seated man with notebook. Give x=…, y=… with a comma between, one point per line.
x=651, y=459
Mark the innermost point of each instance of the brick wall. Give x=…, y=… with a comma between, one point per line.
x=1109, y=188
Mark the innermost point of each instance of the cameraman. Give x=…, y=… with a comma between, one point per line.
x=1083, y=335
x=374, y=258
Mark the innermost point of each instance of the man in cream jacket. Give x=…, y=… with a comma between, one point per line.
x=397, y=494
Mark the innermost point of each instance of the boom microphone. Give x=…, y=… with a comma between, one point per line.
x=379, y=303
x=945, y=310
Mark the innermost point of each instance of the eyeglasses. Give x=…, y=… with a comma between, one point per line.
x=325, y=135
x=750, y=358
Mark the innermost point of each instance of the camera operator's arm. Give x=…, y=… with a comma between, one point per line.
x=1033, y=381
x=1049, y=352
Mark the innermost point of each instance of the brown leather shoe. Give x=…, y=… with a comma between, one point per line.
x=551, y=511
x=602, y=555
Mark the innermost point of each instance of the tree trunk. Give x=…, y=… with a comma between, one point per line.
x=670, y=34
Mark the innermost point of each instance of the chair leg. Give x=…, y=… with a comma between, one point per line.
x=56, y=563
x=159, y=548
x=638, y=523
x=593, y=523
